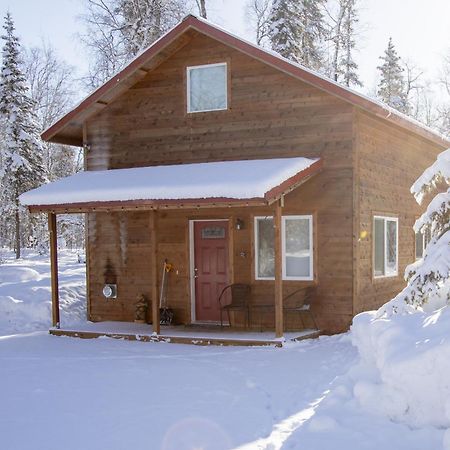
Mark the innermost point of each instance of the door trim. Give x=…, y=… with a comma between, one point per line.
x=192, y=262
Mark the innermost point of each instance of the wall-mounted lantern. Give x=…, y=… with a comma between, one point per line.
x=239, y=224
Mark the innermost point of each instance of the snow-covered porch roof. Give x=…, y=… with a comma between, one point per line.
x=227, y=183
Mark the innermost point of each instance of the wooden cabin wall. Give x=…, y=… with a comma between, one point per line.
x=119, y=253
x=271, y=115
x=389, y=160
x=122, y=240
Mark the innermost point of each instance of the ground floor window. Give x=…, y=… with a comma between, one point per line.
x=296, y=245
x=385, y=244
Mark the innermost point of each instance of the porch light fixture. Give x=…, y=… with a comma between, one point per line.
x=239, y=224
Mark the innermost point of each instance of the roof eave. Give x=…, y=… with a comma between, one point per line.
x=272, y=59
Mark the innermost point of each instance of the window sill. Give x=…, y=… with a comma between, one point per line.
x=383, y=277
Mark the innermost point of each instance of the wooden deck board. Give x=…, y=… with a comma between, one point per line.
x=193, y=337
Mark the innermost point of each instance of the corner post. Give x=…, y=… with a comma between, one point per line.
x=154, y=273
x=54, y=268
x=278, y=271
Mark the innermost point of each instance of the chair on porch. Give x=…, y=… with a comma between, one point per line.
x=300, y=301
x=240, y=301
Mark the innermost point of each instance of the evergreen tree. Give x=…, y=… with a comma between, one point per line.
x=429, y=277
x=391, y=88
x=22, y=167
x=296, y=28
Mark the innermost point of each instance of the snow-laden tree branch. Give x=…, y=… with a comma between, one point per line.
x=429, y=278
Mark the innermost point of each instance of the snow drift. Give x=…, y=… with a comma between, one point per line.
x=404, y=366
x=25, y=295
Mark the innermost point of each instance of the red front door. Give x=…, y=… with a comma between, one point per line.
x=211, y=267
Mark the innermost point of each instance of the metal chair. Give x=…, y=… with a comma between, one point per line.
x=240, y=301
x=304, y=307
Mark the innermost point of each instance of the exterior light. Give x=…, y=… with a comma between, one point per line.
x=239, y=224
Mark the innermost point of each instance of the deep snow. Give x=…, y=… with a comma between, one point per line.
x=362, y=390
x=25, y=298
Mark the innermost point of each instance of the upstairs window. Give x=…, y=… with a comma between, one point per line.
x=207, y=88
x=385, y=243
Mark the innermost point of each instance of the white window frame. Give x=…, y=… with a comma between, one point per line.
x=188, y=85
x=386, y=274
x=283, y=247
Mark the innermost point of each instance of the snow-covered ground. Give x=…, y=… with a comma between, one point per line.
x=384, y=385
x=25, y=298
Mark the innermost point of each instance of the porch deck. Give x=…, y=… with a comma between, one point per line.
x=197, y=335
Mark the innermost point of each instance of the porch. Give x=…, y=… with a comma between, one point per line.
x=180, y=334
x=131, y=234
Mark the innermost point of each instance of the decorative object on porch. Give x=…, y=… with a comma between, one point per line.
x=140, y=309
x=109, y=273
x=110, y=291
x=240, y=301
x=165, y=313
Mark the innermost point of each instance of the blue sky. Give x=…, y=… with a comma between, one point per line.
x=420, y=29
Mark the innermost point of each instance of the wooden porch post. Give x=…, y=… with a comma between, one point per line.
x=54, y=268
x=278, y=272
x=154, y=274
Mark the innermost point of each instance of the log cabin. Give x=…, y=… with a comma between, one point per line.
x=237, y=167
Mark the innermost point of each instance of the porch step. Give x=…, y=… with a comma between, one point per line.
x=193, y=337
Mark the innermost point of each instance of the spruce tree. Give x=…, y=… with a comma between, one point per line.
x=283, y=31
x=22, y=166
x=429, y=277
x=296, y=28
x=312, y=31
x=391, y=88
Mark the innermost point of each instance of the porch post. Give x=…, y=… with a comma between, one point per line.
x=278, y=272
x=54, y=268
x=154, y=274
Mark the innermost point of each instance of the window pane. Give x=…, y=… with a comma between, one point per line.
x=419, y=245
x=208, y=88
x=391, y=246
x=379, y=247
x=266, y=250
x=298, y=248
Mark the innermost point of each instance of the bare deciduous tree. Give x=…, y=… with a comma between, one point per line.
x=257, y=14
x=52, y=88
x=118, y=30
x=201, y=5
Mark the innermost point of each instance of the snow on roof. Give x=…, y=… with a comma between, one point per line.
x=228, y=179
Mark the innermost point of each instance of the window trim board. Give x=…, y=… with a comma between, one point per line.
x=283, y=247
x=385, y=220
x=188, y=85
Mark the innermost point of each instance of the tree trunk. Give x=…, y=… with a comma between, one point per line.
x=17, y=234
x=202, y=8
